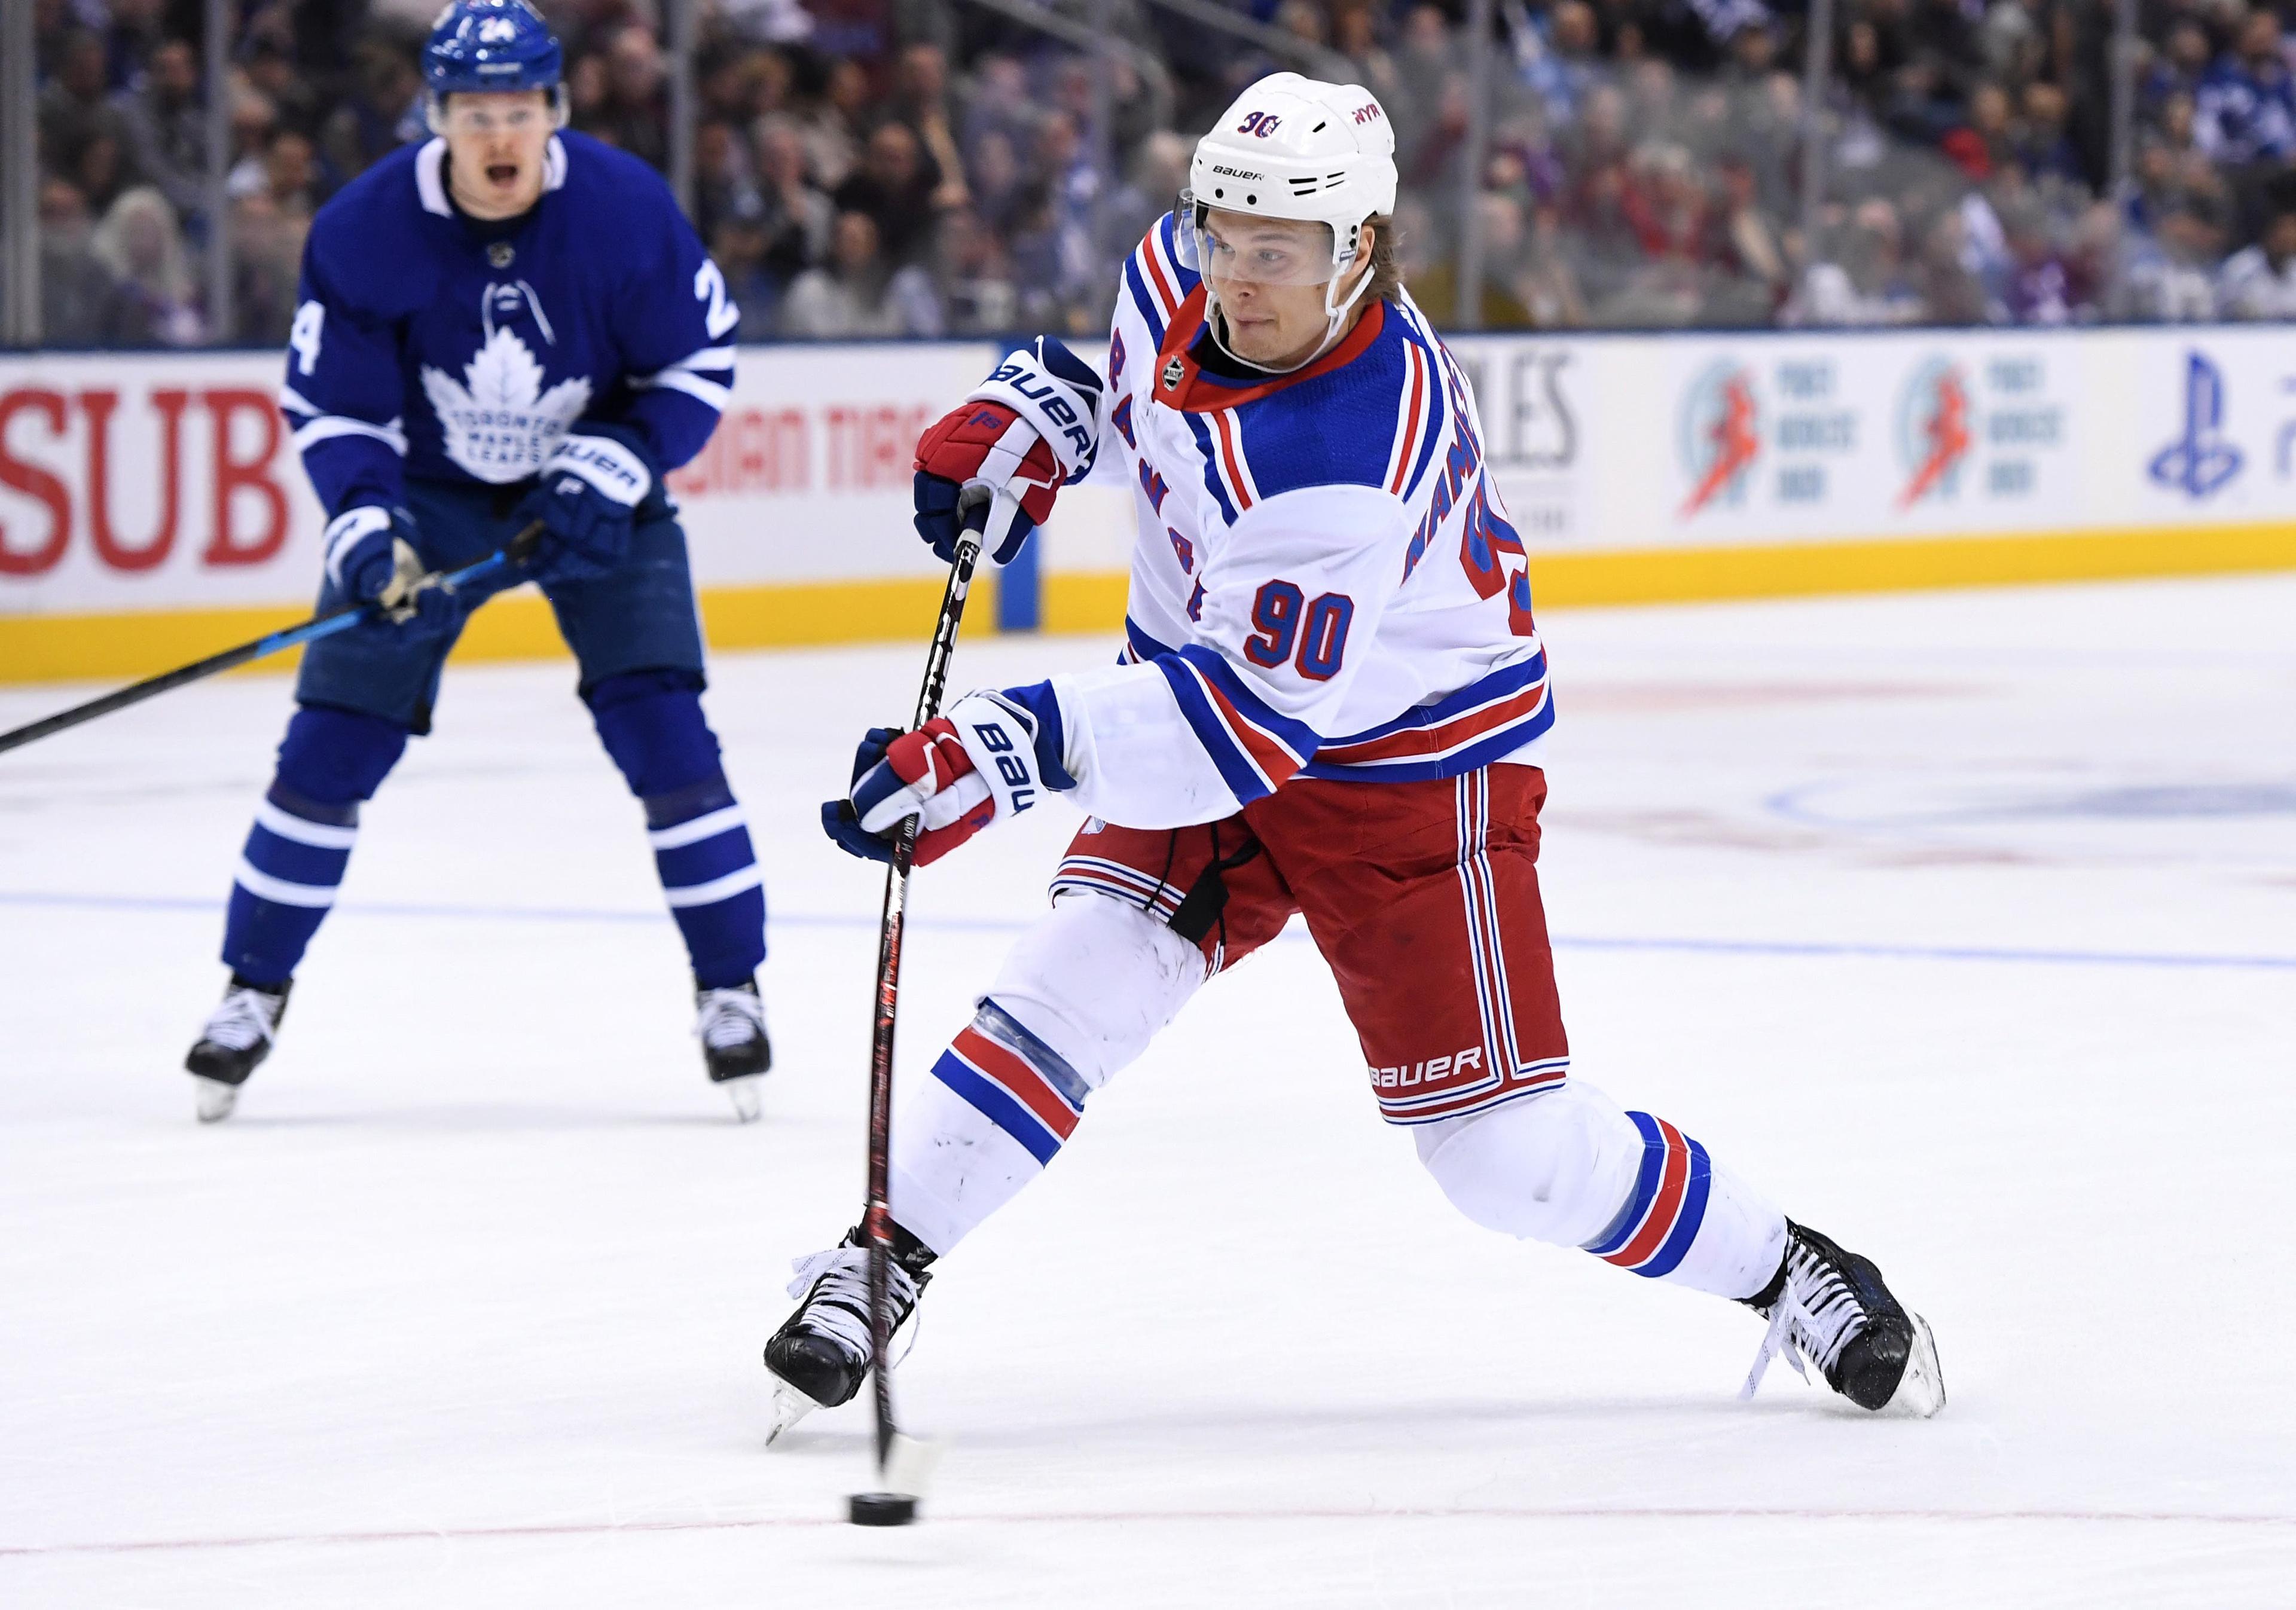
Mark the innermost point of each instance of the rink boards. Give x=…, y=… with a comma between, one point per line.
x=151, y=509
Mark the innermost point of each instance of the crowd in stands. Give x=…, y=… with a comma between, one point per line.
x=919, y=168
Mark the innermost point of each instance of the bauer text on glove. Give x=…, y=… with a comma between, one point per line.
x=588, y=493
x=1031, y=429
x=994, y=755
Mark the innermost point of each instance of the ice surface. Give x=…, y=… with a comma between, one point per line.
x=1964, y=923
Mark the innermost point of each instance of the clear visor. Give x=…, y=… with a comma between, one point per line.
x=1237, y=248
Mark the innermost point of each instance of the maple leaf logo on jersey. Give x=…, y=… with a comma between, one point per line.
x=500, y=423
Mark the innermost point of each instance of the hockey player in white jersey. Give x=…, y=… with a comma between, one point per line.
x=1334, y=702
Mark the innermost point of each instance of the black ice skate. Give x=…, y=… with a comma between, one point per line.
x=731, y=1025
x=1829, y=1306
x=237, y=1038
x=820, y=1356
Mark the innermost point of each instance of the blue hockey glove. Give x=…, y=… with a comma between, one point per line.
x=990, y=757
x=585, y=498
x=371, y=560
x=1029, y=428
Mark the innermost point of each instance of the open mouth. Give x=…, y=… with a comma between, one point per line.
x=501, y=173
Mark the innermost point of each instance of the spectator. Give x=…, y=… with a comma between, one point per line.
x=2166, y=271
x=1560, y=68
x=973, y=278
x=2043, y=148
x=795, y=219
x=635, y=113
x=76, y=112
x=252, y=126
x=81, y=302
x=133, y=31
x=167, y=128
x=2246, y=108
x=922, y=103
x=2178, y=68
x=832, y=132
x=1868, y=283
x=138, y=243
x=738, y=247
x=1355, y=35
x=860, y=291
x=2259, y=283
x=291, y=172
x=267, y=251
x=724, y=187
x=104, y=170
x=383, y=113
x=294, y=98
x=895, y=186
x=997, y=185
x=2040, y=290
x=1747, y=246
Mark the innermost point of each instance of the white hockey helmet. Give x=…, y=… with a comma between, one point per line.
x=1294, y=148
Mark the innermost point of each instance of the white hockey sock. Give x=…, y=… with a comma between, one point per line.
x=1079, y=998
x=1571, y=1169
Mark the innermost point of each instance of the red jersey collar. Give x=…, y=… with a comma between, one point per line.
x=1181, y=382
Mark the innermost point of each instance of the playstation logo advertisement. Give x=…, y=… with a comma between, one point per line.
x=2203, y=461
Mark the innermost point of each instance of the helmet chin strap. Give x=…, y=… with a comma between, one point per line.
x=1334, y=321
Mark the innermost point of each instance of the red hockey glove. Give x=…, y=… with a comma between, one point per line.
x=955, y=774
x=984, y=446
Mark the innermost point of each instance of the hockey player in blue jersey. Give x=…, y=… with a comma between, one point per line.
x=510, y=324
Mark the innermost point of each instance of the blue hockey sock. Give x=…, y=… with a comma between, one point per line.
x=301, y=841
x=651, y=725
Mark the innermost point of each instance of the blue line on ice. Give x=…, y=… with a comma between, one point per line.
x=1012, y=925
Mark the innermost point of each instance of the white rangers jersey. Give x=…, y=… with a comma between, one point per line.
x=1324, y=585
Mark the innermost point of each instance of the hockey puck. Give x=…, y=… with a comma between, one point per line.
x=880, y=1510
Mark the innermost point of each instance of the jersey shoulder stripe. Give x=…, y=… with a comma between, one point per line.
x=1427, y=420
x=1157, y=282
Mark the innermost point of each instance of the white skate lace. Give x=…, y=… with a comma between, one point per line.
x=728, y=1018
x=838, y=1308
x=1815, y=1315
x=243, y=1018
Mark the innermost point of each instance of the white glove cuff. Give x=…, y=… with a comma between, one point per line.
x=1000, y=738
x=346, y=531
x=608, y=466
x=1061, y=415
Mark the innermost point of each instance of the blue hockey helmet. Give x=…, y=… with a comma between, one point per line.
x=491, y=45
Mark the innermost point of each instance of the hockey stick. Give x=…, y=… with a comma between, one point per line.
x=516, y=552
x=902, y=1462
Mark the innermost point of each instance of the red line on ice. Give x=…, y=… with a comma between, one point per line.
x=1531, y=1512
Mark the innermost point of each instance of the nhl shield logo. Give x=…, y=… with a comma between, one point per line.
x=501, y=254
x=1173, y=371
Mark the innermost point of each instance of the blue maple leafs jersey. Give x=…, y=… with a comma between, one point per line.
x=422, y=347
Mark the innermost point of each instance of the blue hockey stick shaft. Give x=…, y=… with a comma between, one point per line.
x=516, y=552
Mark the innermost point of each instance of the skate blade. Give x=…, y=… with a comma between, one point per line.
x=788, y=1407
x=215, y=1098
x=1921, y=1390
x=747, y=1094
